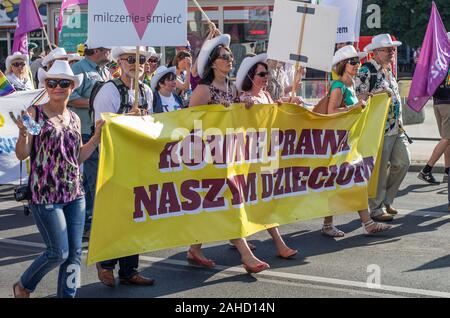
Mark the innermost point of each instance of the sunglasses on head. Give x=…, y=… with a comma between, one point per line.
x=262, y=74
x=63, y=83
x=132, y=59
x=354, y=61
x=226, y=57
x=18, y=64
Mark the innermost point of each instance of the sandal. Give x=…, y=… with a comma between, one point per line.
x=331, y=231
x=375, y=227
x=23, y=293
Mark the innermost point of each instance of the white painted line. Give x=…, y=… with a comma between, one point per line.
x=276, y=274
x=314, y=279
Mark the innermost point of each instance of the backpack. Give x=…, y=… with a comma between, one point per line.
x=373, y=75
x=124, y=98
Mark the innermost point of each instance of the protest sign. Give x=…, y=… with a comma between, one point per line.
x=303, y=33
x=137, y=22
x=187, y=177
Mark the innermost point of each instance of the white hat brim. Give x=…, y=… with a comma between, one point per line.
x=360, y=55
x=245, y=67
x=207, y=48
x=158, y=76
x=371, y=47
x=43, y=75
x=120, y=50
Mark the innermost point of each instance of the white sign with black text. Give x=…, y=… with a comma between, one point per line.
x=137, y=22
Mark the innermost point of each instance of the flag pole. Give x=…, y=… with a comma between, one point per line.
x=46, y=36
x=136, y=80
x=299, y=52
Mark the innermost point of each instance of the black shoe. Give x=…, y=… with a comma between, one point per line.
x=427, y=177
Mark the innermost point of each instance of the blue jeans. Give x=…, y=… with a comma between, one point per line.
x=61, y=227
x=90, y=167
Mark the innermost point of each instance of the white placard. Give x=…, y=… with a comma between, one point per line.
x=319, y=35
x=9, y=164
x=350, y=20
x=137, y=22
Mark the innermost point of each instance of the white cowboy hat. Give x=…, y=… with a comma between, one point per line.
x=153, y=53
x=16, y=56
x=58, y=53
x=60, y=70
x=381, y=40
x=87, y=46
x=347, y=52
x=120, y=50
x=74, y=57
x=160, y=72
x=207, y=48
x=245, y=67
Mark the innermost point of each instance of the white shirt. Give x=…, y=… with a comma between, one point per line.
x=20, y=85
x=108, y=99
x=169, y=104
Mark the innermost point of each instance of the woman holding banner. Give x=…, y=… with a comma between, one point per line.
x=18, y=72
x=252, y=78
x=214, y=63
x=342, y=98
x=56, y=192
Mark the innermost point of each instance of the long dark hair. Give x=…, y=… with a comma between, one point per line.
x=248, y=80
x=208, y=75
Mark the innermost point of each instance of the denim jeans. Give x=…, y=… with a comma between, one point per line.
x=127, y=265
x=90, y=167
x=61, y=227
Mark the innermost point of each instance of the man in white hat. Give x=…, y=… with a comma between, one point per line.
x=441, y=105
x=151, y=66
x=117, y=96
x=93, y=67
x=376, y=76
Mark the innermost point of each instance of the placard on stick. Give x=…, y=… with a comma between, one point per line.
x=310, y=42
x=137, y=22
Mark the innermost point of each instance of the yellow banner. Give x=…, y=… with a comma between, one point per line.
x=212, y=173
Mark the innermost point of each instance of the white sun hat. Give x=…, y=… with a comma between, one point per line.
x=153, y=53
x=58, y=53
x=16, y=56
x=347, y=52
x=245, y=67
x=74, y=57
x=207, y=48
x=380, y=41
x=120, y=50
x=159, y=73
x=60, y=70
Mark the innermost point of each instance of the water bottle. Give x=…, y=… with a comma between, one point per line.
x=33, y=127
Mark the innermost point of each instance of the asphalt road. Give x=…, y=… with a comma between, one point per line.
x=412, y=259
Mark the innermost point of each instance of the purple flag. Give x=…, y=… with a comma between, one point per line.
x=433, y=64
x=28, y=20
x=64, y=5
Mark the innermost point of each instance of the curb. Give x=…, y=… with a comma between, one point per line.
x=417, y=166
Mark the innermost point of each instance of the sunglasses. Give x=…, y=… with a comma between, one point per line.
x=132, y=59
x=226, y=57
x=18, y=64
x=354, y=61
x=153, y=60
x=262, y=74
x=63, y=83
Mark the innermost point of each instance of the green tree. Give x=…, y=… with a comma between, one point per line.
x=405, y=19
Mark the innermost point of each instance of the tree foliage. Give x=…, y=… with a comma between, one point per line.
x=405, y=19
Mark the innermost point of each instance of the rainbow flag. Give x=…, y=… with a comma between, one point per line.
x=5, y=86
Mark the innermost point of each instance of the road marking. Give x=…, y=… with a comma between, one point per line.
x=315, y=279
x=424, y=213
